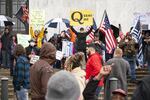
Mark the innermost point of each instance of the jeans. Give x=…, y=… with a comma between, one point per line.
x=22, y=94
x=132, y=62
x=148, y=64
x=0, y=57
x=5, y=59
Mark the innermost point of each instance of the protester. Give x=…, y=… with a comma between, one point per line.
x=118, y=94
x=6, y=48
x=63, y=86
x=73, y=64
x=13, y=43
x=129, y=53
x=143, y=90
x=41, y=71
x=147, y=50
x=32, y=49
x=21, y=73
x=92, y=85
x=93, y=66
x=0, y=49
x=44, y=39
x=100, y=47
x=120, y=70
x=80, y=44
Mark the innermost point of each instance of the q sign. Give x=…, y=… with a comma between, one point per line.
x=81, y=17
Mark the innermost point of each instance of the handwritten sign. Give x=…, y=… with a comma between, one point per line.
x=37, y=18
x=144, y=17
x=34, y=59
x=81, y=17
x=59, y=55
x=67, y=48
x=23, y=39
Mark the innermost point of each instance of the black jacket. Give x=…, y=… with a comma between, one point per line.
x=80, y=44
x=143, y=90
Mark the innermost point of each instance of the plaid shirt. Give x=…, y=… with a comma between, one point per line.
x=21, y=73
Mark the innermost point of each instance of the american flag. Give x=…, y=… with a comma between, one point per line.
x=23, y=15
x=90, y=37
x=121, y=35
x=109, y=36
x=137, y=36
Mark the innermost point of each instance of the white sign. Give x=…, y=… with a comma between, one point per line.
x=59, y=55
x=67, y=48
x=144, y=17
x=34, y=59
x=23, y=39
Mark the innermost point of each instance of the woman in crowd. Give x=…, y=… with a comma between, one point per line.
x=13, y=44
x=73, y=64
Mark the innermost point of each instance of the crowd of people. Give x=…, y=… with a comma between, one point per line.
x=80, y=76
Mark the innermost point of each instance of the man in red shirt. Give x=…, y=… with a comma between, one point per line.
x=93, y=67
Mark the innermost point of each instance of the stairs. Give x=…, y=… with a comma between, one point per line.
x=6, y=73
x=140, y=73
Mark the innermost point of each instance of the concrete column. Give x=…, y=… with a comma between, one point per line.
x=4, y=88
x=113, y=84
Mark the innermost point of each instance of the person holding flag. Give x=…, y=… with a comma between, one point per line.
x=110, y=40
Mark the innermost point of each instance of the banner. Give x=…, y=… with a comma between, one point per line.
x=81, y=17
x=67, y=48
x=144, y=17
x=37, y=18
x=23, y=39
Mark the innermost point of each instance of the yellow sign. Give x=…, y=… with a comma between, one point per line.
x=37, y=19
x=81, y=17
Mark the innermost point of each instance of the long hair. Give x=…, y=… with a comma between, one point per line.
x=19, y=50
x=74, y=61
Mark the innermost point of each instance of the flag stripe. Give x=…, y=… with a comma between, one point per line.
x=90, y=37
x=135, y=32
x=109, y=36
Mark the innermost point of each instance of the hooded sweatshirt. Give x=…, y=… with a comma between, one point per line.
x=80, y=76
x=41, y=71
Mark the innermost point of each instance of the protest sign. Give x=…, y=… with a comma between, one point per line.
x=34, y=59
x=67, y=48
x=37, y=18
x=59, y=55
x=23, y=39
x=81, y=17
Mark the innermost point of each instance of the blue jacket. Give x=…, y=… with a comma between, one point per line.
x=21, y=73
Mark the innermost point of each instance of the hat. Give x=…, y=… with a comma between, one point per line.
x=63, y=86
x=119, y=91
x=92, y=45
x=32, y=40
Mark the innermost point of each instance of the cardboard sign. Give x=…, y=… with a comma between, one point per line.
x=23, y=39
x=34, y=59
x=67, y=48
x=81, y=17
x=37, y=18
x=144, y=17
x=59, y=55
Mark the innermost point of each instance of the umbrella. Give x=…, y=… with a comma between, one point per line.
x=54, y=23
x=58, y=23
x=6, y=20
